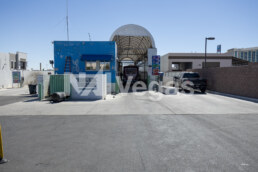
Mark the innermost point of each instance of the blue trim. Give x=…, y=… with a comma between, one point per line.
x=95, y=57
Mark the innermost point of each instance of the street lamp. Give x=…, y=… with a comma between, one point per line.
x=207, y=38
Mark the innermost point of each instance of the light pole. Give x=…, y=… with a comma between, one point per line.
x=207, y=38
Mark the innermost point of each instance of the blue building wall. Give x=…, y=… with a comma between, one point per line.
x=77, y=49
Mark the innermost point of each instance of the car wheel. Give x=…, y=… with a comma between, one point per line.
x=203, y=90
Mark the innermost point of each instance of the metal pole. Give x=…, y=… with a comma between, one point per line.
x=1, y=145
x=144, y=69
x=67, y=20
x=205, y=56
x=2, y=160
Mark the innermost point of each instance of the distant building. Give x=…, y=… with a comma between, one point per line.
x=249, y=54
x=18, y=61
x=11, y=65
x=184, y=61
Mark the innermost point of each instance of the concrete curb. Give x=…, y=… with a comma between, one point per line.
x=234, y=96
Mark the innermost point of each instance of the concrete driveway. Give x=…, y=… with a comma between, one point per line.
x=201, y=132
x=9, y=96
x=133, y=103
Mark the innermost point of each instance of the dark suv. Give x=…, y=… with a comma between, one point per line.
x=190, y=80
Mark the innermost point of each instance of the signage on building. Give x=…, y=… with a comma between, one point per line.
x=16, y=77
x=218, y=48
x=155, y=65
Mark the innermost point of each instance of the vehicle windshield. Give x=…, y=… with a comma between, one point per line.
x=191, y=75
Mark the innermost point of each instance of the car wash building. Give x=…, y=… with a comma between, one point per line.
x=129, y=43
x=89, y=57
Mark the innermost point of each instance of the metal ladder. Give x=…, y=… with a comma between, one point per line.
x=68, y=65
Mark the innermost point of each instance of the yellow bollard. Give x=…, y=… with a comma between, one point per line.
x=2, y=160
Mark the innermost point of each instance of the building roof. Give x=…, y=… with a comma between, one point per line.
x=199, y=55
x=132, y=42
x=243, y=49
x=235, y=61
x=133, y=30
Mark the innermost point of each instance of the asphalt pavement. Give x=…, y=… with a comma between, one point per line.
x=192, y=133
x=97, y=143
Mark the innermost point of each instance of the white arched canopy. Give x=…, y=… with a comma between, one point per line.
x=133, y=42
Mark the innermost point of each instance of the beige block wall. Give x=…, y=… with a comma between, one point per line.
x=240, y=80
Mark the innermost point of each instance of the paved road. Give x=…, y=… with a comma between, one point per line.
x=95, y=143
x=10, y=96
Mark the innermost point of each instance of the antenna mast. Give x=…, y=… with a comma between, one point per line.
x=89, y=37
x=67, y=20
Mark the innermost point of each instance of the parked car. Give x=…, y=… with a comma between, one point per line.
x=190, y=80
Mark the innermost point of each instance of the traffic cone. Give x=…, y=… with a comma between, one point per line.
x=2, y=160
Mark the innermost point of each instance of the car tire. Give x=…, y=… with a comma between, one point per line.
x=203, y=90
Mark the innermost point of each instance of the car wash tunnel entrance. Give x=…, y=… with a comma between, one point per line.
x=135, y=47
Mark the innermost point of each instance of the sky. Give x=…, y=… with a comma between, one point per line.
x=30, y=26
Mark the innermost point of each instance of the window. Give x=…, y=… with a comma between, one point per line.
x=23, y=65
x=249, y=56
x=245, y=56
x=235, y=53
x=104, y=66
x=91, y=65
x=242, y=55
x=253, y=56
x=181, y=66
x=239, y=54
x=12, y=64
x=175, y=66
x=256, y=56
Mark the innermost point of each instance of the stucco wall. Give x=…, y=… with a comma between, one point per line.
x=164, y=63
x=12, y=59
x=197, y=63
x=30, y=77
x=22, y=56
x=5, y=72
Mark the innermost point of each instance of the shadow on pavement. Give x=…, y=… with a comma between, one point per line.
x=195, y=92
x=5, y=100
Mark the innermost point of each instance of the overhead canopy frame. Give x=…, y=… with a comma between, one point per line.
x=133, y=42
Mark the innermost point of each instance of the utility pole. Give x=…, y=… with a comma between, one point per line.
x=67, y=20
x=205, y=55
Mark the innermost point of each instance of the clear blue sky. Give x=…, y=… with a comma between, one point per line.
x=176, y=25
